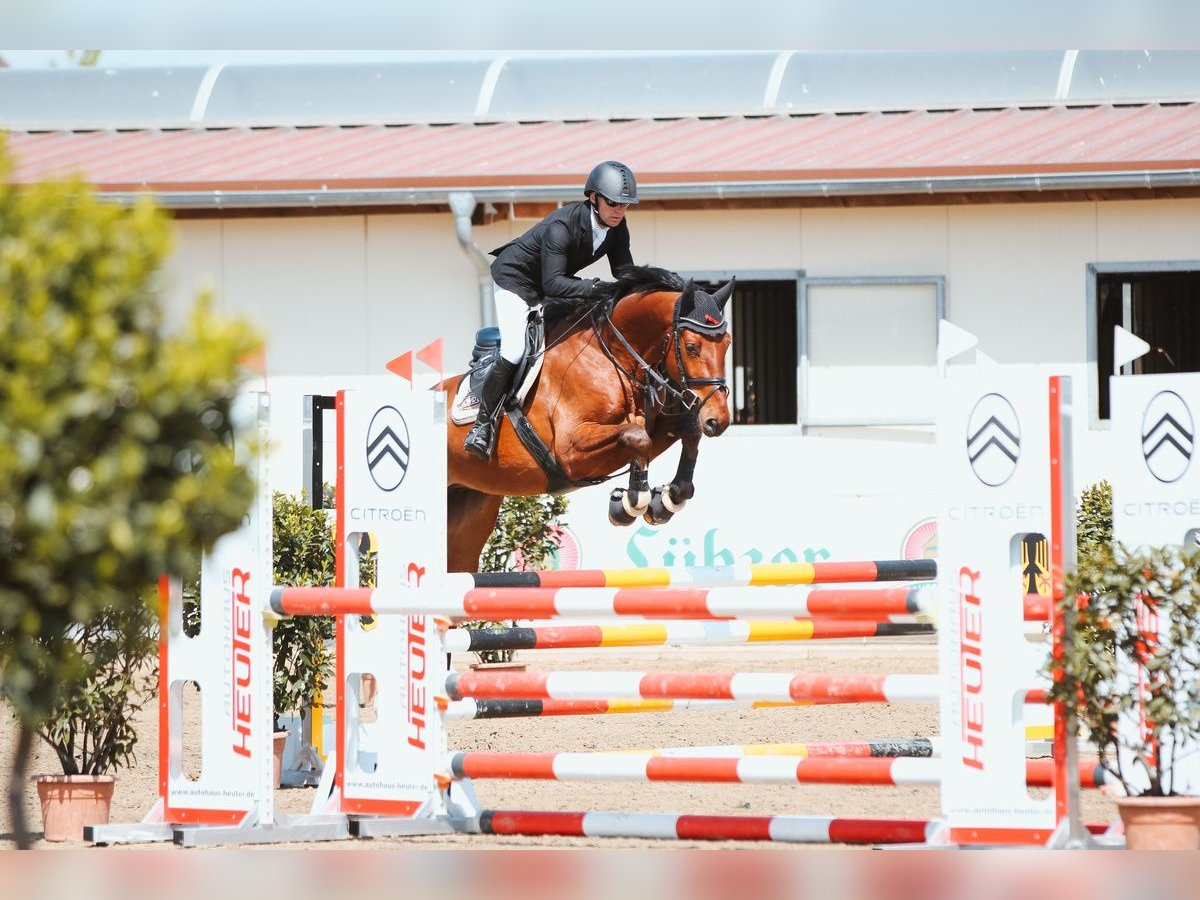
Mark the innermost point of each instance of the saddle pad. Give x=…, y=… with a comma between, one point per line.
x=466, y=405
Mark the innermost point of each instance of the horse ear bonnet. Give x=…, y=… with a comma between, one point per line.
x=705, y=313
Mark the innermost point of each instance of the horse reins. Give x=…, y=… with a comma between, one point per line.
x=663, y=387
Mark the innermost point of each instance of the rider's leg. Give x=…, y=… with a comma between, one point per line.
x=512, y=312
x=511, y=315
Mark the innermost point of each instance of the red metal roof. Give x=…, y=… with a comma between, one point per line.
x=678, y=152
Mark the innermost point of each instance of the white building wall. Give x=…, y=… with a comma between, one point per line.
x=883, y=241
x=1144, y=231
x=193, y=267
x=420, y=286
x=709, y=239
x=333, y=294
x=1016, y=277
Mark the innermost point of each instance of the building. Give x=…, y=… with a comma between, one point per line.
x=1034, y=199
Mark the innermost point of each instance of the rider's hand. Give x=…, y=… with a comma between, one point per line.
x=604, y=289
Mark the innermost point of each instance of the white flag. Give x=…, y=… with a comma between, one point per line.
x=1127, y=347
x=952, y=341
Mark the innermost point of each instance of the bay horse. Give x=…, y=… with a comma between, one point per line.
x=621, y=381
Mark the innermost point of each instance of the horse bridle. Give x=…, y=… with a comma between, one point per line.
x=663, y=387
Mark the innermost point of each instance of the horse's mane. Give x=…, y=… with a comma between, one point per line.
x=646, y=279
x=567, y=313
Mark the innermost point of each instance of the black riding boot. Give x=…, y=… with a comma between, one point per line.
x=481, y=440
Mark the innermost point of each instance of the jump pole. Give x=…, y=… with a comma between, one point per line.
x=446, y=597
x=742, y=575
x=474, y=640
x=494, y=708
x=672, y=826
x=751, y=686
x=898, y=771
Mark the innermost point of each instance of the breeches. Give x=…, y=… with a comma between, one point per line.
x=512, y=313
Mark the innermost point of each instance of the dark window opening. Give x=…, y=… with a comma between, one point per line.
x=762, y=373
x=1163, y=310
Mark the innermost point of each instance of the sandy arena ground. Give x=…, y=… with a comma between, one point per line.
x=136, y=787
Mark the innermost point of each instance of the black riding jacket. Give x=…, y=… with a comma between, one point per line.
x=542, y=262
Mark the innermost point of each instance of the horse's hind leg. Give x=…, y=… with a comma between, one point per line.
x=471, y=516
x=667, y=500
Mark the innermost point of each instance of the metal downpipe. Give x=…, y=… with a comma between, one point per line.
x=462, y=204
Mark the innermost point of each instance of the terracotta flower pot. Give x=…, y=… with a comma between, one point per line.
x=71, y=801
x=1161, y=823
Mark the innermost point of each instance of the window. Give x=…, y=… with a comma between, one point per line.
x=765, y=359
x=832, y=351
x=869, y=350
x=1159, y=302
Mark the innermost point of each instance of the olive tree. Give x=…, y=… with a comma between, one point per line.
x=116, y=458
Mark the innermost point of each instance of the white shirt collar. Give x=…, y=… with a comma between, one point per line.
x=599, y=230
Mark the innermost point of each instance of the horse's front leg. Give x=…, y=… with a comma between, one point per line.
x=669, y=499
x=626, y=505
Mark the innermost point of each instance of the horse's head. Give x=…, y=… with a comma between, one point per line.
x=700, y=338
x=677, y=336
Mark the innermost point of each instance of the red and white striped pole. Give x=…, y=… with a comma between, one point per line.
x=446, y=600
x=754, y=686
x=647, y=767
x=493, y=708
x=914, y=748
x=669, y=826
x=895, y=771
x=649, y=634
x=739, y=575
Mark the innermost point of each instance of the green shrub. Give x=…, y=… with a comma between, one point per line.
x=524, y=538
x=91, y=726
x=303, y=554
x=1093, y=519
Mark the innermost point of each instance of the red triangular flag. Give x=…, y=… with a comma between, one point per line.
x=255, y=360
x=431, y=355
x=402, y=365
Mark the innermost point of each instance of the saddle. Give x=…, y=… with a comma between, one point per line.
x=465, y=408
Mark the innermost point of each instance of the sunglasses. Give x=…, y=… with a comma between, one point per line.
x=614, y=204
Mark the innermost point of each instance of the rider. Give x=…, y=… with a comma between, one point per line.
x=542, y=263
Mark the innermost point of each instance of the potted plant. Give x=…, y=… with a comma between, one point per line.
x=525, y=539
x=90, y=728
x=1129, y=663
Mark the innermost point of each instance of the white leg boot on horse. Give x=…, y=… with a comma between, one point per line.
x=481, y=441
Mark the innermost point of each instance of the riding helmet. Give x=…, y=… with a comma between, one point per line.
x=614, y=181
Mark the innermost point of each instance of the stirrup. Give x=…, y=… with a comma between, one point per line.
x=477, y=436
